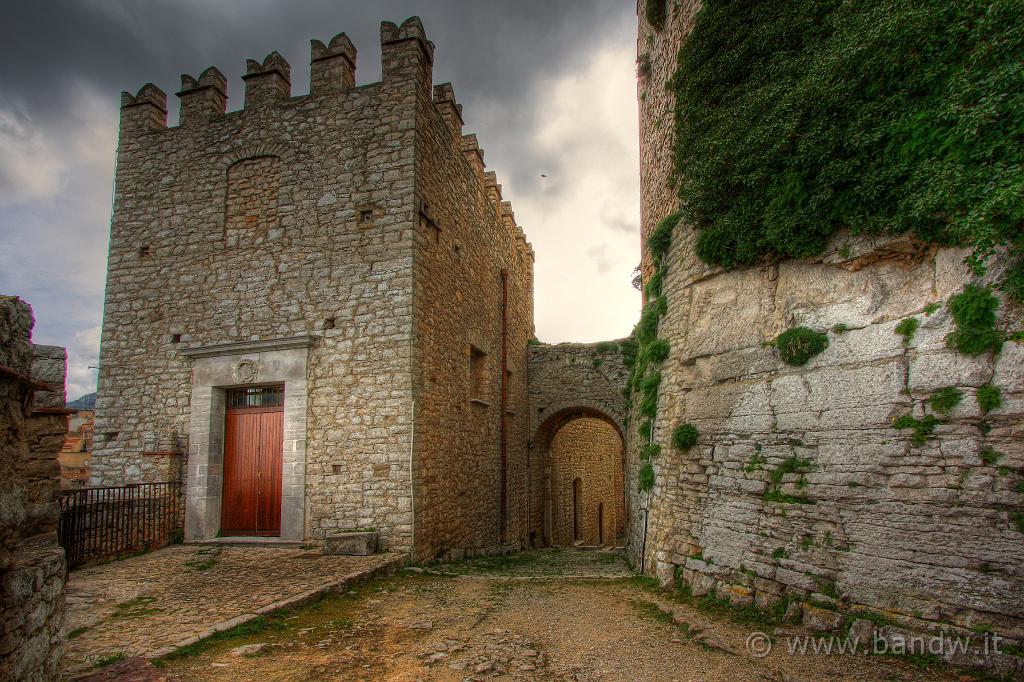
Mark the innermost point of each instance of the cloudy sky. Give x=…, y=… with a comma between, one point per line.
x=547, y=86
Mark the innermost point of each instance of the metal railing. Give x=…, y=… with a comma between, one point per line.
x=104, y=523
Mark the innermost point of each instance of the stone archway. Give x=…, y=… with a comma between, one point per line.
x=577, y=390
x=579, y=473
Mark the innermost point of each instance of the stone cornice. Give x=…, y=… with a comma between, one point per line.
x=244, y=347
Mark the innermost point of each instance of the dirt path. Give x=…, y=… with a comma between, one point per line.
x=511, y=619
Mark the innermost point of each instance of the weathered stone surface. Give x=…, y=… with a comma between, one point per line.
x=821, y=620
x=861, y=632
x=865, y=512
x=354, y=543
x=32, y=565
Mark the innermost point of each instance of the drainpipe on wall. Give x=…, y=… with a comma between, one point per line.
x=412, y=475
x=503, y=419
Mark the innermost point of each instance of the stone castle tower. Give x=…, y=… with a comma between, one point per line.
x=329, y=285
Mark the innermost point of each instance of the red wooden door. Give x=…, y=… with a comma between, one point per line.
x=253, y=448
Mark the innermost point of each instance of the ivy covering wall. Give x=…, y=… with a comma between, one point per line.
x=799, y=118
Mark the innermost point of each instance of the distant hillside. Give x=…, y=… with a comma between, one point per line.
x=86, y=402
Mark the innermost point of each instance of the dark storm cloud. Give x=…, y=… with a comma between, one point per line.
x=490, y=50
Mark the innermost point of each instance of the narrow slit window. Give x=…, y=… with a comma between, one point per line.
x=477, y=373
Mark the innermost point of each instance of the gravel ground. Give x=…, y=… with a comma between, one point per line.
x=535, y=616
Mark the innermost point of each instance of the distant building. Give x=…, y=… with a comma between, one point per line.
x=76, y=455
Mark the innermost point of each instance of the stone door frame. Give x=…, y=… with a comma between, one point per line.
x=215, y=370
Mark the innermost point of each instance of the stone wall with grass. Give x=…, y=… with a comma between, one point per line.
x=32, y=427
x=882, y=467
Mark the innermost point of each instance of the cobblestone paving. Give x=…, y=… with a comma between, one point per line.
x=530, y=621
x=139, y=605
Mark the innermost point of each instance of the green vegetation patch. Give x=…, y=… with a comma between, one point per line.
x=655, y=12
x=1013, y=284
x=684, y=437
x=923, y=428
x=791, y=465
x=660, y=239
x=800, y=118
x=645, y=478
x=990, y=456
x=109, y=659
x=1017, y=518
x=974, y=317
x=907, y=328
x=656, y=351
x=989, y=398
x=140, y=607
x=945, y=399
x=798, y=345
x=650, y=451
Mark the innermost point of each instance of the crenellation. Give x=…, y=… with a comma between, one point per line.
x=202, y=98
x=406, y=52
x=332, y=67
x=267, y=82
x=145, y=110
x=451, y=111
x=474, y=155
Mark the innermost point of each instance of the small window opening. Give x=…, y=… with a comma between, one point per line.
x=337, y=469
x=328, y=323
x=477, y=373
x=365, y=216
x=175, y=338
x=144, y=252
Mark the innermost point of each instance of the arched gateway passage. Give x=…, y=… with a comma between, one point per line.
x=576, y=444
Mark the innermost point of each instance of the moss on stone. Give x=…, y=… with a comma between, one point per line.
x=989, y=398
x=945, y=399
x=798, y=345
x=684, y=437
x=974, y=316
x=907, y=328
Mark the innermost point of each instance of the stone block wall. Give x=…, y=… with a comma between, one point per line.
x=356, y=227
x=31, y=562
x=293, y=216
x=929, y=534
x=473, y=316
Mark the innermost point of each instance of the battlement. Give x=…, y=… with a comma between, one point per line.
x=202, y=98
x=332, y=67
x=267, y=82
x=406, y=54
x=451, y=111
x=145, y=110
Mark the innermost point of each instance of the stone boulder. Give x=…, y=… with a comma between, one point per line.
x=352, y=543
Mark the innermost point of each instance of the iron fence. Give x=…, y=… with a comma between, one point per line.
x=103, y=523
